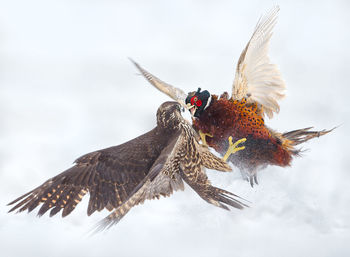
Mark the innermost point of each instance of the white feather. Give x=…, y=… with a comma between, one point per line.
x=256, y=78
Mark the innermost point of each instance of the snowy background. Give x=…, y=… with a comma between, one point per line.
x=67, y=88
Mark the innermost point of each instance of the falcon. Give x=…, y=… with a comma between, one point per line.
x=256, y=90
x=117, y=178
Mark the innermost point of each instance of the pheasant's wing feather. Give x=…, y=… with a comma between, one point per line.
x=256, y=78
x=174, y=92
x=162, y=180
x=109, y=175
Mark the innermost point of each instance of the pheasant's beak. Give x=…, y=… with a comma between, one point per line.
x=192, y=108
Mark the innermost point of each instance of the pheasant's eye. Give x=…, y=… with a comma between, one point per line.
x=193, y=100
x=199, y=102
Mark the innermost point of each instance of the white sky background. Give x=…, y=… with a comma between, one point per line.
x=67, y=88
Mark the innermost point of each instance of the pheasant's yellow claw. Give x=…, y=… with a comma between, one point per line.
x=203, y=135
x=239, y=148
x=230, y=140
x=242, y=140
x=233, y=147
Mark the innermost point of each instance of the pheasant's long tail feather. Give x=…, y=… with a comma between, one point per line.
x=299, y=136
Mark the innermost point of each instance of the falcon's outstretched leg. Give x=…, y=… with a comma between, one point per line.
x=233, y=147
x=203, y=135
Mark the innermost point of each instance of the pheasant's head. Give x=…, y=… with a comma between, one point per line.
x=198, y=101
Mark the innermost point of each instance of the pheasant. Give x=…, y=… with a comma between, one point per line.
x=256, y=90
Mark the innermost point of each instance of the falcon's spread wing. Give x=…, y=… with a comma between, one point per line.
x=109, y=175
x=162, y=180
x=175, y=93
x=256, y=78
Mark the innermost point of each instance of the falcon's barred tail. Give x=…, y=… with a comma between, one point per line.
x=155, y=185
x=138, y=197
x=296, y=137
x=111, y=219
x=223, y=197
x=216, y=196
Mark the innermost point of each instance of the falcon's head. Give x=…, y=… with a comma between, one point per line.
x=169, y=115
x=198, y=101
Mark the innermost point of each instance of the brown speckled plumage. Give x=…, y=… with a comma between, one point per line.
x=120, y=177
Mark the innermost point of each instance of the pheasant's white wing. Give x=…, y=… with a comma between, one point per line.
x=256, y=78
x=174, y=92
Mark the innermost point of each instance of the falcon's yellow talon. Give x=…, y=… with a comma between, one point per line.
x=203, y=135
x=233, y=147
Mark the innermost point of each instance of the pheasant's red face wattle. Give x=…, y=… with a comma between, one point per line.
x=198, y=101
x=195, y=101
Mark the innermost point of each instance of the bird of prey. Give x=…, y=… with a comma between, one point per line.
x=256, y=90
x=117, y=178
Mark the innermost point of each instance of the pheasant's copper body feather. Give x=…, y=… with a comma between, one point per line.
x=227, y=117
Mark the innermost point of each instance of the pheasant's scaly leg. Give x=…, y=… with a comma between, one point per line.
x=256, y=179
x=233, y=147
x=203, y=135
x=253, y=179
